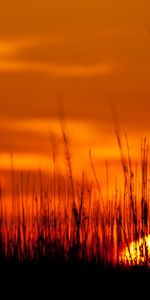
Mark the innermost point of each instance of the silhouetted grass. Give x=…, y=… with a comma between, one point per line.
x=70, y=226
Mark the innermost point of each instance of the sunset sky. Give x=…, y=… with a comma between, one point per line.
x=79, y=55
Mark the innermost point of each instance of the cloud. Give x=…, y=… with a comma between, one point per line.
x=12, y=59
x=10, y=47
x=56, y=70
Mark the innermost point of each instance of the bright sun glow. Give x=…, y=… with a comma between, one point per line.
x=137, y=253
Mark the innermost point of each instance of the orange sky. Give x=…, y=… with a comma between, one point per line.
x=80, y=54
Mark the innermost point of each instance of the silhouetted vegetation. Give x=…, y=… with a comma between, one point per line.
x=69, y=224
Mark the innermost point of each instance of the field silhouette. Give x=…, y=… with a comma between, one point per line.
x=68, y=224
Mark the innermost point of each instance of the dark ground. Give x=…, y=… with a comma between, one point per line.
x=75, y=280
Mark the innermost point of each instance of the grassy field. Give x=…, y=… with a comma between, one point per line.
x=69, y=225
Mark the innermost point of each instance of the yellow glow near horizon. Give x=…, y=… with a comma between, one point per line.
x=137, y=252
